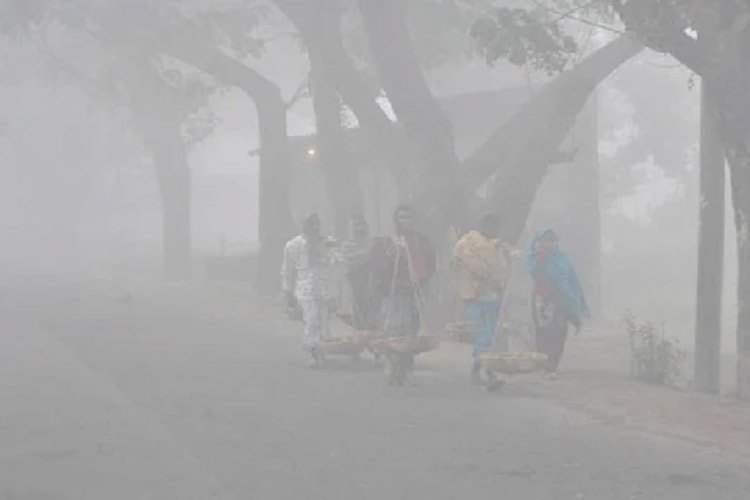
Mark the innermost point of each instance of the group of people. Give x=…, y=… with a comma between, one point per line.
x=387, y=277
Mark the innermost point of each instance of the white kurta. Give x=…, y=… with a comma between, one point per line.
x=315, y=285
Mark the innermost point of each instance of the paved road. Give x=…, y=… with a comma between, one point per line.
x=161, y=396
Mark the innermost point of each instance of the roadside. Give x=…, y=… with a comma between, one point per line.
x=594, y=379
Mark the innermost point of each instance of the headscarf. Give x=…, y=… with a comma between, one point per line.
x=560, y=273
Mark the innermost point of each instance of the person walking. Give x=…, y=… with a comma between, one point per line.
x=483, y=265
x=309, y=281
x=557, y=300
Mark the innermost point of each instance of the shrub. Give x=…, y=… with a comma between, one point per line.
x=654, y=358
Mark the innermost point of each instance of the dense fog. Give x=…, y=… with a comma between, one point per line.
x=156, y=158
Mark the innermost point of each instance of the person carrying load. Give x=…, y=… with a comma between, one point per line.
x=483, y=264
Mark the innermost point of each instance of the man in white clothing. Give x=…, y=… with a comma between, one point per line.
x=309, y=280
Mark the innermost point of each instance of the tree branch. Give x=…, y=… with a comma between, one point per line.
x=542, y=123
x=438, y=186
x=693, y=53
x=222, y=66
x=299, y=93
x=352, y=88
x=570, y=14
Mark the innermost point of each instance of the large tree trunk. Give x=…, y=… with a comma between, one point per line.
x=386, y=136
x=710, y=252
x=739, y=160
x=522, y=149
x=170, y=157
x=275, y=224
x=735, y=131
x=333, y=152
x=481, y=165
x=729, y=92
x=731, y=87
x=156, y=114
x=436, y=183
x=341, y=179
x=743, y=307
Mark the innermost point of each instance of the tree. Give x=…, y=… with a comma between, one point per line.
x=711, y=38
x=194, y=34
x=275, y=219
x=436, y=183
x=710, y=253
x=422, y=137
x=202, y=34
x=159, y=119
x=332, y=150
x=160, y=128
x=529, y=141
x=385, y=135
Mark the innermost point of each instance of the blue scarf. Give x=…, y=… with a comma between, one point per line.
x=561, y=274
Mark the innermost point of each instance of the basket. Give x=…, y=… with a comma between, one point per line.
x=346, y=346
x=370, y=337
x=461, y=332
x=407, y=345
x=513, y=362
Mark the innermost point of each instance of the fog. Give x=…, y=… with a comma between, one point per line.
x=159, y=164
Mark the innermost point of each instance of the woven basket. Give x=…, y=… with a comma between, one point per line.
x=461, y=332
x=371, y=337
x=407, y=345
x=347, y=346
x=513, y=362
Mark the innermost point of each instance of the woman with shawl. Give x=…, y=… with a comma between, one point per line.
x=402, y=267
x=557, y=300
x=357, y=253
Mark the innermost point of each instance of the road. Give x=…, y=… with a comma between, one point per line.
x=170, y=394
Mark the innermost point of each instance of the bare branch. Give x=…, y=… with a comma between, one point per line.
x=556, y=105
x=302, y=91
x=570, y=15
x=693, y=53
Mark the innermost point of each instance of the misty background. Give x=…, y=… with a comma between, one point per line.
x=157, y=155
x=80, y=194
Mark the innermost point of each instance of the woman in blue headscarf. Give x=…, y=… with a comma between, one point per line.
x=557, y=300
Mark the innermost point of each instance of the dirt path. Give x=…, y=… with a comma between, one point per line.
x=174, y=393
